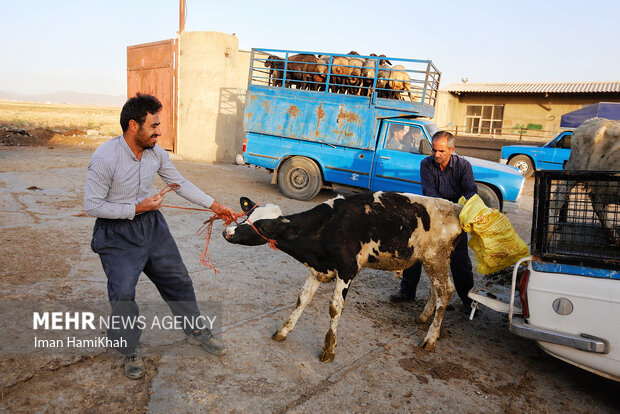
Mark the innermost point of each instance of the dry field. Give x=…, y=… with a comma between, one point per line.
x=27, y=124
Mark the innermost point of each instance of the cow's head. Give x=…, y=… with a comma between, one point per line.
x=267, y=219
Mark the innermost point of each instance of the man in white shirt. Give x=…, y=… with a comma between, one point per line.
x=130, y=234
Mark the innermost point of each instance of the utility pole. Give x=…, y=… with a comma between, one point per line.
x=182, y=16
x=177, y=75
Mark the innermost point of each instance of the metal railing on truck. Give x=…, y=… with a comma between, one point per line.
x=577, y=218
x=380, y=77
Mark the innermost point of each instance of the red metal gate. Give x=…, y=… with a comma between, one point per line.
x=151, y=68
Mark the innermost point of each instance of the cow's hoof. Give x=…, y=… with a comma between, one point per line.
x=278, y=336
x=420, y=321
x=427, y=346
x=327, y=356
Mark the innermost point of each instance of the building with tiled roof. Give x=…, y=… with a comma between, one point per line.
x=530, y=109
x=536, y=87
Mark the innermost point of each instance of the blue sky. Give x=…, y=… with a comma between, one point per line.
x=67, y=45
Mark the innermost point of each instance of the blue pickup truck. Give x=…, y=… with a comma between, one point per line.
x=554, y=154
x=315, y=127
x=530, y=158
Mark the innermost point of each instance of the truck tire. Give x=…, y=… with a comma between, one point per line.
x=524, y=164
x=299, y=178
x=489, y=196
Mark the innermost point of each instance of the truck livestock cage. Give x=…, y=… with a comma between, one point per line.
x=291, y=87
x=576, y=218
x=414, y=80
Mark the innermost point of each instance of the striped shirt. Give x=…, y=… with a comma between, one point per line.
x=117, y=181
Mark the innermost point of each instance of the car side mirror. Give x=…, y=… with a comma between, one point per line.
x=425, y=147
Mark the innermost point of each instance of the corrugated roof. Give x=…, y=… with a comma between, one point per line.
x=536, y=87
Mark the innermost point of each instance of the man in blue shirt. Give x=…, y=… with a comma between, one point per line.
x=130, y=234
x=444, y=175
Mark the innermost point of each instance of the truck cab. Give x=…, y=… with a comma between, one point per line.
x=398, y=169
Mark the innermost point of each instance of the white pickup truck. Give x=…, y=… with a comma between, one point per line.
x=569, y=296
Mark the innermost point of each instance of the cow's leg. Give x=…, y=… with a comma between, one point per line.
x=557, y=209
x=598, y=204
x=335, y=310
x=429, y=308
x=310, y=287
x=439, y=276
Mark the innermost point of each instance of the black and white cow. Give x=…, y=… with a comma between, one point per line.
x=336, y=239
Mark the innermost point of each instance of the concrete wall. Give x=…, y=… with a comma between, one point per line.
x=445, y=107
x=212, y=83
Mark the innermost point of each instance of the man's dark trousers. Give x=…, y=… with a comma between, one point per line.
x=129, y=247
x=460, y=266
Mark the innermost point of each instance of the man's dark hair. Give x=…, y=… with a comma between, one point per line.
x=445, y=134
x=137, y=107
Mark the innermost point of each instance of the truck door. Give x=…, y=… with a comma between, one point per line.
x=397, y=158
x=556, y=153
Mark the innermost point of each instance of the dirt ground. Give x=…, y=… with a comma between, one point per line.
x=13, y=136
x=477, y=366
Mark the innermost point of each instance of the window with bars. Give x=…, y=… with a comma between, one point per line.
x=484, y=119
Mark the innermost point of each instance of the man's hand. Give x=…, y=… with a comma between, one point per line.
x=224, y=211
x=149, y=204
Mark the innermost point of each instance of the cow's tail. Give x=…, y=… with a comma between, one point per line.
x=457, y=210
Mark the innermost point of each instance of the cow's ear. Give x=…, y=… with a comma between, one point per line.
x=273, y=227
x=246, y=204
x=279, y=228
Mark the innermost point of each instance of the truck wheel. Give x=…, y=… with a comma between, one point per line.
x=489, y=196
x=524, y=164
x=299, y=178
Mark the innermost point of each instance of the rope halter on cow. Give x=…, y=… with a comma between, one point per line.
x=207, y=227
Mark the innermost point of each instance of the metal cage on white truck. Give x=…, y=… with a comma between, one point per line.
x=569, y=295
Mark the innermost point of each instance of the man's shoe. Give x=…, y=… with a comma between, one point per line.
x=467, y=306
x=134, y=365
x=207, y=341
x=401, y=297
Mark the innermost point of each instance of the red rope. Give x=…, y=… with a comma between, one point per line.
x=187, y=208
x=168, y=188
x=207, y=227
x=271, y=242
